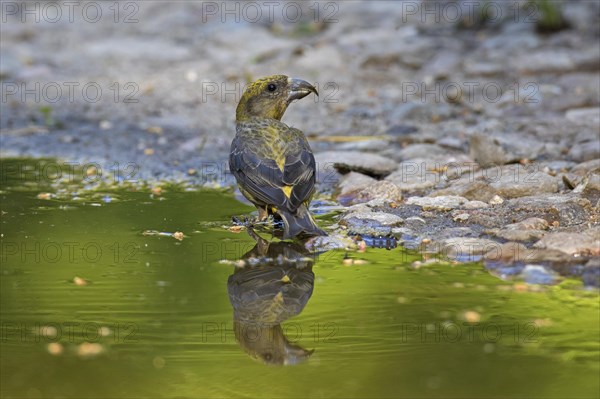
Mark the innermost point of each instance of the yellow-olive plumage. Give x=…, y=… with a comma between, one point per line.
x=272, y=162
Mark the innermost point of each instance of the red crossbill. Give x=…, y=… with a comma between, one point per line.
x=273, y=164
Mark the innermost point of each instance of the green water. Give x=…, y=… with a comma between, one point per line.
x=378, y=329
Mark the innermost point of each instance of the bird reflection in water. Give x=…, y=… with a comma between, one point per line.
x=273, y=285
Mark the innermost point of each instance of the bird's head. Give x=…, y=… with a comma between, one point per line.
x=269, y=97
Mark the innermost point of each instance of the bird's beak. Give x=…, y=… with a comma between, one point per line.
x=298, y=88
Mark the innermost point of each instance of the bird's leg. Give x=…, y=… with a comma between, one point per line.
x=262, y=214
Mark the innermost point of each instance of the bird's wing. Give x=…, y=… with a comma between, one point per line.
x=299, y=171
x=281, y=173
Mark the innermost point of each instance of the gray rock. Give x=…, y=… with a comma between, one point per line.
x=9, y=64
x=445, y=203
x=545, y=61
x=587, y=151
x=443, y=65
x=423, y=151
x=453, y=143
x=514, y=181
x=486, y=151
x=507, y=253
x=370, y=223
x=413, y=177
x=518, y=235
x=355, y=161
x=584, y=116
x=381, y=190
x=354, y=182
x=570, y=243
x=465, y=187
x=584, y=168
x=567, y=210
x=529, y=224
x=591, y=190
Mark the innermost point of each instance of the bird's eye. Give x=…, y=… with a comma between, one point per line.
x=272, y=87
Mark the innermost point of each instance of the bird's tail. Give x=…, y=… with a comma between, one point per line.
x=299, y=223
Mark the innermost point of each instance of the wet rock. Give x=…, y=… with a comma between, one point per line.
x=591, y=273
x=330, y=242
x=536, y=274
x=370, y=223
x=354, y=161
x=466, y=249
x=570, y=243
x=507, y=253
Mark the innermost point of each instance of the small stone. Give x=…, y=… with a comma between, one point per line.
x=55, y=348
x=178, y=235
x=104, y=331
x=461, y=217
x=79, y=281
x=191, y=76
x=87, y=349
x=105, y=125
x=471, y=316
x=158, y=130
x=496, y=200
x=236, y=229
x=487, y=151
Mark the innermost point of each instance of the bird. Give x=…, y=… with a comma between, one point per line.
x=273, y=163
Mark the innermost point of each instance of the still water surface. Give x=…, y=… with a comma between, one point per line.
x=91, y=307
